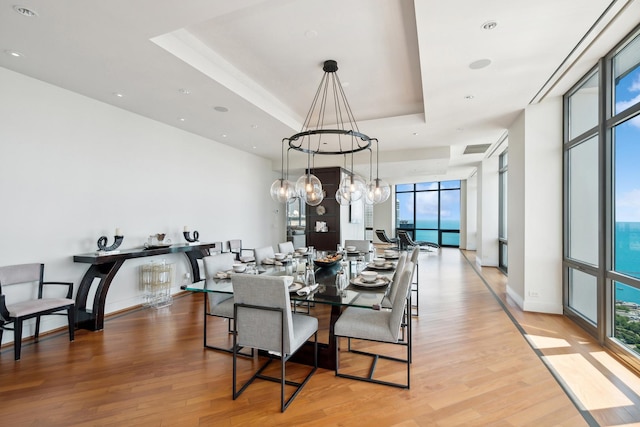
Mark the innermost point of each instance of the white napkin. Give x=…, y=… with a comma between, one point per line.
x=268, y=261
x=307, y=290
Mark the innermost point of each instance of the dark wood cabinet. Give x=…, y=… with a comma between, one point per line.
x=328, y=211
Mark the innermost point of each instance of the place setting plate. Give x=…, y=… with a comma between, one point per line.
x=295, y=287
x=378, y=283
x=223, y=274
x=385, y=266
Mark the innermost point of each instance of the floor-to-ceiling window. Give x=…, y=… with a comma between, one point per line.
x=602, y=201
x=625, y=155
x=430, y=211
x=503, y=262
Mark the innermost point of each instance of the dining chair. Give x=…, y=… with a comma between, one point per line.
x=382, y=236
x=217, y=304
x=286, y=247
x=387, y=301
x=264, y=321
x=263, y=253
x=360, y=245
x=415, y=283
x=218, y=248
x=383, y=326
x=28, y=275
x=241, y=254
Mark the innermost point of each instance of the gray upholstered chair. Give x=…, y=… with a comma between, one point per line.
x=263, y=253
x=387, y=301
x=361, y=245
x=380, y=326
x=217, y=304
x=241, y=254
x=18, y=312
x=264, y=321
x=286, y=247
x=415, y=285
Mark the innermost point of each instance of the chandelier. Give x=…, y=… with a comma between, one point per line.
x=330, y=129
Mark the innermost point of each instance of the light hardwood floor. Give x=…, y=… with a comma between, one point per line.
x=472, y=366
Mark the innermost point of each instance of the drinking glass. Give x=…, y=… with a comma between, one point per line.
x=359, y=264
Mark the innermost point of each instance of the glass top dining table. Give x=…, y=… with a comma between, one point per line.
x=356, y=294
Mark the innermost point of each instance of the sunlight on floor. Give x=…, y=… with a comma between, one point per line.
x=540, y=342
x=620, y=371
x=592, y=389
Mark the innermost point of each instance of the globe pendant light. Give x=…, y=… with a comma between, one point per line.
x=283, y=190
x=341, y=198
x=377, y=190
x=309, y=188
x=352, y=188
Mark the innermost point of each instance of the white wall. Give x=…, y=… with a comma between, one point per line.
x=384, y=216
x=535, y=208
x=487, y=205
x=470, y=201
x=543, y=204
x=73, y=169
x=516, y=215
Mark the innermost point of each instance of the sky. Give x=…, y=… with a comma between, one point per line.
x=627, y=151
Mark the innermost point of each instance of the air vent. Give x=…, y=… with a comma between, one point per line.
x=476, y=149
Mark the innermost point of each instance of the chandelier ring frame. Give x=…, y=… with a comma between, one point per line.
x=299, y=137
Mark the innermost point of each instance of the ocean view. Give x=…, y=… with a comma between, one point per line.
x=627, y=259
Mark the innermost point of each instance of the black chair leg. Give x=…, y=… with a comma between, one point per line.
x=17, y=338
x=36, y=336
x=71, y=316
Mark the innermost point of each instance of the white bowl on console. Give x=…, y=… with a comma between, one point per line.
x=351, y=248
x=301, y=250
x=369, y=276
x=280, y=256
x=239, y=268
x=379, y=262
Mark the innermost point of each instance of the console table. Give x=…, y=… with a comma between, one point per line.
x=105, y=267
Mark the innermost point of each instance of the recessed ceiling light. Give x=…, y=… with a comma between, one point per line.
x=415, y=134
x=224, y=135
x=480, y=63
x=254, y=126
x=311, y=34
x=184, y=91
x=24, y=11
x=118, y=95
x=468, y=97
x=181, y=119
x=345, y=84
x=489, y=25
x=221, y=109
x=14, y=53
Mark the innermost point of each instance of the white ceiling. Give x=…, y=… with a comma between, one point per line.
x=407, y=65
